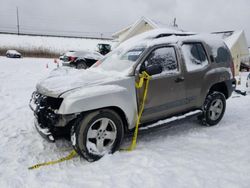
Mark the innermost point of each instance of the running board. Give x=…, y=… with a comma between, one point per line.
x=171, y=119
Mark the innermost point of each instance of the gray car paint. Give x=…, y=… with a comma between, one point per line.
x=166, y=97
x=122, y=96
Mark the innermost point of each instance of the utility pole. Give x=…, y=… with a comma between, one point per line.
x=175, y=25
x=17, y=20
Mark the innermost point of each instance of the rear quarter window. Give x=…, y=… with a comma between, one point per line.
x=223, y=55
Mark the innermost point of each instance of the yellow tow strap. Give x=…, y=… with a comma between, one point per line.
x=143, y=77
x=70, y=156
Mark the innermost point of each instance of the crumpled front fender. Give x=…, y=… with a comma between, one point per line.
x=122, y=96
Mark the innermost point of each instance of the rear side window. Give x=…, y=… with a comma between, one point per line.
x=195, y=56
x=165, y=56
x=223, y=55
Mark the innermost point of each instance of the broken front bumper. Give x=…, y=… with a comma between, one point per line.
x=45, y=118
x=48, y=123
x=44, y=132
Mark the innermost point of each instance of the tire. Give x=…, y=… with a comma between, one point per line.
x=81, y=65
x=213, y=109
x=97, y=133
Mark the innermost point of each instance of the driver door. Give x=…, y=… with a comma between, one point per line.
x=166, y=93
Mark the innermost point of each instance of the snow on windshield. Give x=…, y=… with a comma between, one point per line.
x=120, y=60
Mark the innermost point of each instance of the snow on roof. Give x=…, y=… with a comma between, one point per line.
x=151, y=38
x=12, y=52
x=121, y=31
x=146, y=36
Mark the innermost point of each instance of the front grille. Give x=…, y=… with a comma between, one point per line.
x=45, y=110
x=47, y=102
x=54, y=103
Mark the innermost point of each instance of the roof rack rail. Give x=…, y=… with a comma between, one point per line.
x=171, y=34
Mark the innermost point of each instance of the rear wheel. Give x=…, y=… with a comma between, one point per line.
x=97, y=133
x=213, y=109
x=81, y=65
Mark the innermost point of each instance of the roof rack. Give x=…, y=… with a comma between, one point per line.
x=173, y=34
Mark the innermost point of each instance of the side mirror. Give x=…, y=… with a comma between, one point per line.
x=154, y=69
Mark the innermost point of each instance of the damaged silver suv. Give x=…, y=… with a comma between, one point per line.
x=99, y=105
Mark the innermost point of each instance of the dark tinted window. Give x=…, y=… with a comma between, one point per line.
x=222, y=55
x=164, y=56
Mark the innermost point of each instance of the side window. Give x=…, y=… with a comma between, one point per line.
x=195, y=56
x=165, y=56
x=223, y=55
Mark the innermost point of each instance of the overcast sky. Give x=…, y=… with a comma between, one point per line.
x=92, y=17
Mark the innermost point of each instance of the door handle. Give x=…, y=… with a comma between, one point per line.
x=179, y=79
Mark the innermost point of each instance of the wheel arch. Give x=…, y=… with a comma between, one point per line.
x=116, y=109
x=123, y=116
x=220, y=87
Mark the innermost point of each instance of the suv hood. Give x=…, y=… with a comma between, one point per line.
x=66, y=79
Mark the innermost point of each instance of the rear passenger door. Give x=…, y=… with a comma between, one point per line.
x=196, y=63
x=166, y=92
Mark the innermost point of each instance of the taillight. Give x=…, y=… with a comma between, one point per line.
x=232, y=68
x=70, y=58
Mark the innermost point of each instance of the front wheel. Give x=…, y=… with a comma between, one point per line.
x=97, y=133
x=213, y=109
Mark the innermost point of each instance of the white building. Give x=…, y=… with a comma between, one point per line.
x=140, y=26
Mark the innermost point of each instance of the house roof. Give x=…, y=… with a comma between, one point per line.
x=132, y=30
x=154, y=24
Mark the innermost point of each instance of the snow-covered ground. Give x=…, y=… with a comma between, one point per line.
x=54, y=44
x=182, y=155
